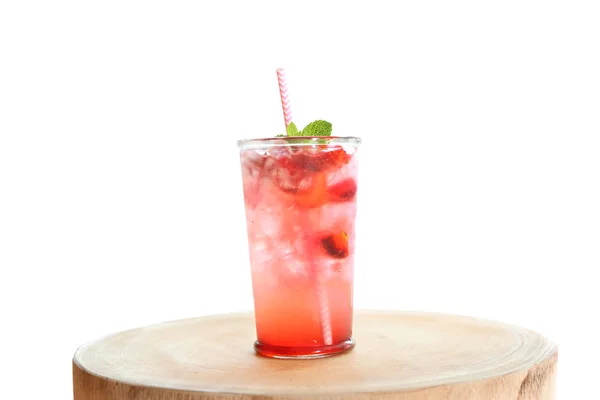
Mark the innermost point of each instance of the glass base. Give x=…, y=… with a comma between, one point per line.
x=302, y=353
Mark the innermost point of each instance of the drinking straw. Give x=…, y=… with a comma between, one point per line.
x=319, y=281
x=285, y=99
x=324, y=312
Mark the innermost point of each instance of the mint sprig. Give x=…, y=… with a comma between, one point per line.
x=315, y=128
x=292, y=130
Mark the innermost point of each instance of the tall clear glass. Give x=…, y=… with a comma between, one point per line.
x=300, y=200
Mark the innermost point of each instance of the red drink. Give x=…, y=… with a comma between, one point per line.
x=300, y=198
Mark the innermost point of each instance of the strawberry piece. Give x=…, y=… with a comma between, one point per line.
x=343, y=191
x=322, y=160
x=336, y=245
x=314, y=196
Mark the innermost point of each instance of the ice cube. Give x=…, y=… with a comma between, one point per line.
x=287, y=177
x=295, y=267
x=344, y=172
x=280, y=149
x=269, y=223
x=259, y=254
x=333, y=217
x=251, y=181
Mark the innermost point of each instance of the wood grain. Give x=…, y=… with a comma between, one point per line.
x=399, y=355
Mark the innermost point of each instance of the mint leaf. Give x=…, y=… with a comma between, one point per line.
x=292, y=130
x=317, y=128
x=281, y=135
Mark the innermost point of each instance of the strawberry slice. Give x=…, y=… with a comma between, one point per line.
x=322, y=160
x=336, y=245
x=314, y=196
x=343, y=191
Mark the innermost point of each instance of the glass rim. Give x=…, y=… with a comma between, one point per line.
x=301, y=141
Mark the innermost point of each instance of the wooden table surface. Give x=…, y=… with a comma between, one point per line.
x=398, y=355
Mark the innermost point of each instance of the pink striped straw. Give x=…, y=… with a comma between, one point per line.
x=285, y=99
x=318, y=275
x=324, y=312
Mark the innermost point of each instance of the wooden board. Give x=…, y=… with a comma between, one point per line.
x=398, y=355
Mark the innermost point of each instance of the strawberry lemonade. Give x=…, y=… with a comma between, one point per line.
x=300, y=201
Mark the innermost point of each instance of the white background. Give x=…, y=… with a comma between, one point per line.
x=120, y=191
